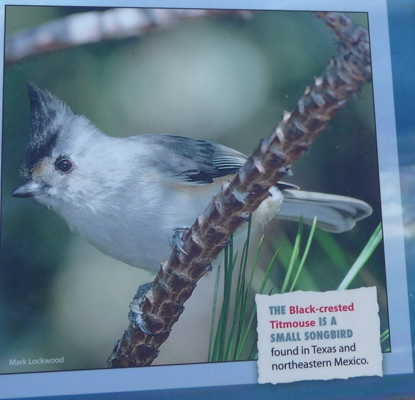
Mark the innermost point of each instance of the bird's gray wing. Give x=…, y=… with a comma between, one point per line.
x=193, y=161
x=189, y=160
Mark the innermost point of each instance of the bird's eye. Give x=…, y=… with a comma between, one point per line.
x=63, y=165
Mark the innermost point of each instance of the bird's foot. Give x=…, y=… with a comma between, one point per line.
x=176, y=241
x=135, y=315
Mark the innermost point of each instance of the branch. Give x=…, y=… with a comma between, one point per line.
x=95, y=26
x=161, y=307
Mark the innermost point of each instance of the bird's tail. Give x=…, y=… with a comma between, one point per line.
x=334, y=213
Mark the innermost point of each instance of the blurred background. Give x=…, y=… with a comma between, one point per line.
x=227, y=79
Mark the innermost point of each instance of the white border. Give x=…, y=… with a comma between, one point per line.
x=224, y=374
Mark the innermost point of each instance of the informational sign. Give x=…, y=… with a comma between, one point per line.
x=310, y=335
x=220, y=72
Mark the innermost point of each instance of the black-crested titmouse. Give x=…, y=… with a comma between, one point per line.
x=127, y=195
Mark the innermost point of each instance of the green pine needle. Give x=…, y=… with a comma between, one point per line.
x=370, y=247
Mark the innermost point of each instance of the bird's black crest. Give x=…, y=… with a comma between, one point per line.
x=44, y=107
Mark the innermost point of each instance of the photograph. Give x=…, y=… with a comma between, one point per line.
x=120, y=125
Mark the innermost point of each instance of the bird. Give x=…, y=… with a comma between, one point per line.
x=127, y=196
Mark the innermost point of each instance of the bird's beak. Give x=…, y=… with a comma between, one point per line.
x=28, y=189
